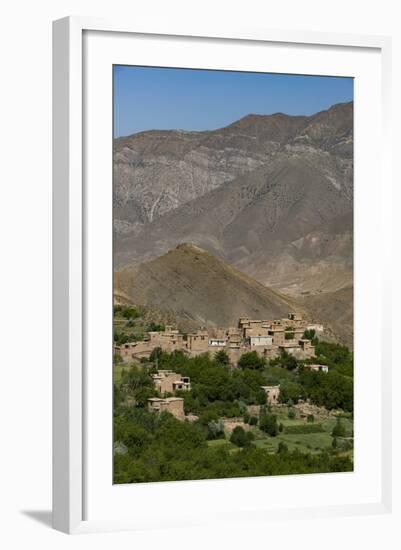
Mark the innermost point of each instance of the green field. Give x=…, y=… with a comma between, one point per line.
x=312, y=443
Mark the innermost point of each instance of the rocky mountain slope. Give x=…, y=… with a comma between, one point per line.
x=199, y=289
x=335, y=311
x=268, y=196
x=158, y=171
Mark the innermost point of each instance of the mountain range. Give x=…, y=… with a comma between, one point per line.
x=270, y=196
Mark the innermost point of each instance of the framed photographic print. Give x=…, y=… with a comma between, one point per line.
x=219, y=335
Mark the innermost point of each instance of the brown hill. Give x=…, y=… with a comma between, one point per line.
x=285, y=225
x=335, y=310
x=199, y=289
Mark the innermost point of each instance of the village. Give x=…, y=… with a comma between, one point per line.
x=264, y=386
x=268, y=339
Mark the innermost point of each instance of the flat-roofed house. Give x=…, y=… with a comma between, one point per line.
x=272, y=394
x=168, y=340
x=182, y=383
x=198, y=342
x=256, y=341
x=173, y=405
x=217, y=342
x=167, y=381
x=307, y=349
x=277, y=333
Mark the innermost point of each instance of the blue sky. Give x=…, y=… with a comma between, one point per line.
x=148, y=98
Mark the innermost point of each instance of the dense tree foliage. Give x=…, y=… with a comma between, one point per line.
x=251, y=360
x=158, y=447
x=161, y=448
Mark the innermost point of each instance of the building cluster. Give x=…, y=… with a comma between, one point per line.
x=168, y=382
x=267, y=338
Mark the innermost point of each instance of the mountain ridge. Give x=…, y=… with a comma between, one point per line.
x=199, y=289
x=156, y=171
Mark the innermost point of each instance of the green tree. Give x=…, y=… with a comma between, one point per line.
x=251, y=360
x=221, y=357
x=241, y=438
x=155, y=354
x=310, y=334
x=130, y=313
x=291, y=392
x=285, y=360
x=268, y=424
x=291, y=413
x=338, y=430
x=215, y=430
x=155, y=327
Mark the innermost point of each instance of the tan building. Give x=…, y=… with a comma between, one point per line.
x=272, y=394
x=217, y=342
x=198, y=342
x=277, y=333
x=307, y=349
x=167, y=381
x=296, y=320
x=257, y=341
x=267, y=338
x=168, y=340
x=173, y=405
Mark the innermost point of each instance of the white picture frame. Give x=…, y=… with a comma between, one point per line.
x=70, y=259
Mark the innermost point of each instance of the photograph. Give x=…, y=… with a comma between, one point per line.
x=233, y=230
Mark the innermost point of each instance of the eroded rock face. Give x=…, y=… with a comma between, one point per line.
x=156, y=172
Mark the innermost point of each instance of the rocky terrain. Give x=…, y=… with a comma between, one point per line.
x=197, y=288
x=335, y=310
x=271, y=196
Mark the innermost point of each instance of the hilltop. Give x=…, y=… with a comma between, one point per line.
x=199, y=289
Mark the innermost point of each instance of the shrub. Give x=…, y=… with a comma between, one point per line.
x=268, y=424
x=339, y=429
x=215, y=430
x=282, y=447
x=291, y=413
x=130, y=313
x=241, y=438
